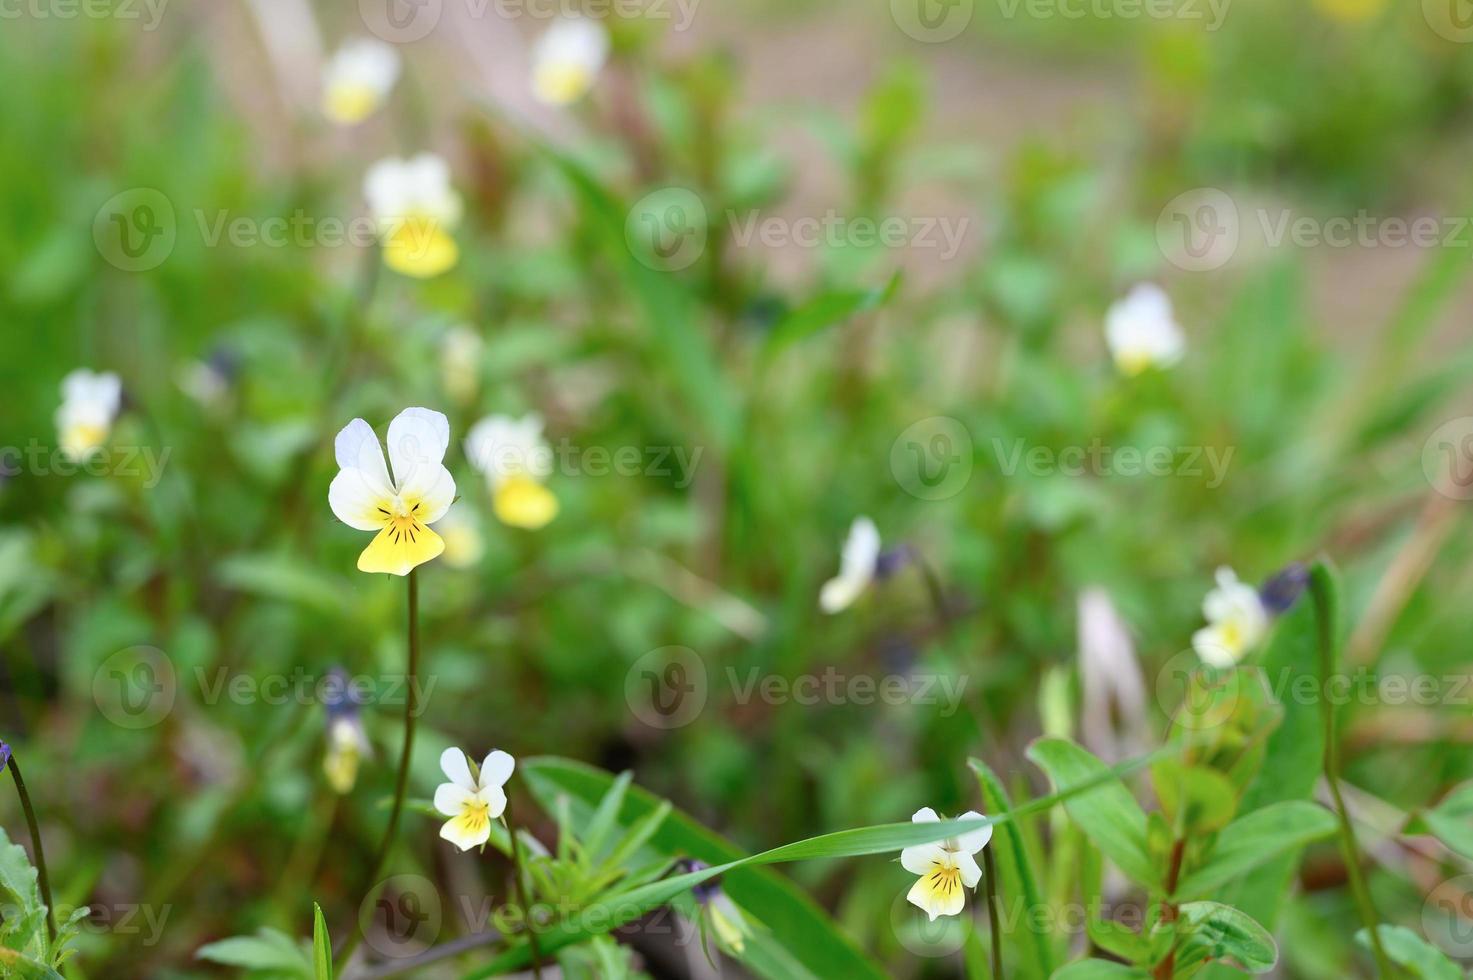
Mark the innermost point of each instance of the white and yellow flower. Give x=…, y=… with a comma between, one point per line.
x=946, y=868
x=1141, y=331
x=357, y=80
x=567, y=59
x=89, y=404
x=402, y=508
x=1236, y=622
x=460, y=363
x=416, y=210
x=347, y=746
x=857, y=564
x=464, y=543
x=515, y=460
x=473, y=797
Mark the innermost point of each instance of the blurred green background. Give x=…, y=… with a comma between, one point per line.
x=793, y=371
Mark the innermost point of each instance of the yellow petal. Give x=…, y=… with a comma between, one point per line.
x=341, y=766
x=400, y=547
x=81, y=440
x=420, y=247
x=561, y=84
x=521, y=501
x=349, y=103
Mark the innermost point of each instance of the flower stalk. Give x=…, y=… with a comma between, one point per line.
x=411, y=711
x=9, y=759
x=994, y=905
x=520, y=884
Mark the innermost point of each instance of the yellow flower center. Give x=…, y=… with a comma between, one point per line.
x=561, y=83
x=350, y=102
x=475, y=816
x=944, y=879
x=82, y=439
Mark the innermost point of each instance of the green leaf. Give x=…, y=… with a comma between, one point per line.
x=285, y=578
x=18, y=966
x=1452, y=820
x=1119, y=939
x=1099, y=970
x=1417, y=955
x=321, y=946
x=1256, y=838
x=268, y=950
x=995, y=801
x=1196, y=800
x=826, y=310
x=1227, y=934
x=24, y=925
x=1109, y=816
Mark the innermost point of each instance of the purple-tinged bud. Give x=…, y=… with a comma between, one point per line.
x=1279, y=593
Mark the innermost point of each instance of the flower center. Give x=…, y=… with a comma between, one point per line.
x=944, y=878
x=404, y=520
x=476, y=815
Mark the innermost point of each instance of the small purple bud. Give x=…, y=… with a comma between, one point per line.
x=892, y=561
x=1279, y=593
x=338, y=696
x=706, y=890
x=4, y=756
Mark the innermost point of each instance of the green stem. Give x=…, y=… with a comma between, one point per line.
x=994, y=916
x=411, y=709
x=1324, y=605
x=521, y=887
x=40, y=854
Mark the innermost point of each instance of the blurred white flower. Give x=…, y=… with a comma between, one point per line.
x=947, y=868
x=89, y=405
x=567, y=59
x=464, y=543
x=400, y=509
x=857, y=565
x=460, y=362
x=1236, y=622
x=515, y=459
x=416, y=209
x=1142, y=332
x=472, y=799
x=357, y=79
x=1113, y=686
x=347, y=746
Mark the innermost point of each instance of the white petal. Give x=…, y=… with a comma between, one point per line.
x=433, y=489
x=924, y=815
x=1211, y=647
x=418, y=438
x=495, y=800
x=457, y=769
x=451, y=798
x=967, y=865
x=973, y=840
x=358, y=501
x=919, y=858
x=839, y=594
x=861, y=550
x=501, y=446
x=497, y=768
x=357, y=448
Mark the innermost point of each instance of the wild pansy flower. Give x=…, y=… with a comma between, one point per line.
x=1236, y=622
x=567, y=59
x=727, y=921
x=402, y=508
x=357, y=80
x=946, y=868
x=464, y=544
x=416, y=209
x=460, y=363
x=347, y=743
x=209, y=381
x=89, y=404
x=515, y=460
x=1142, y=332
x=473, y=797
x=858, y=564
